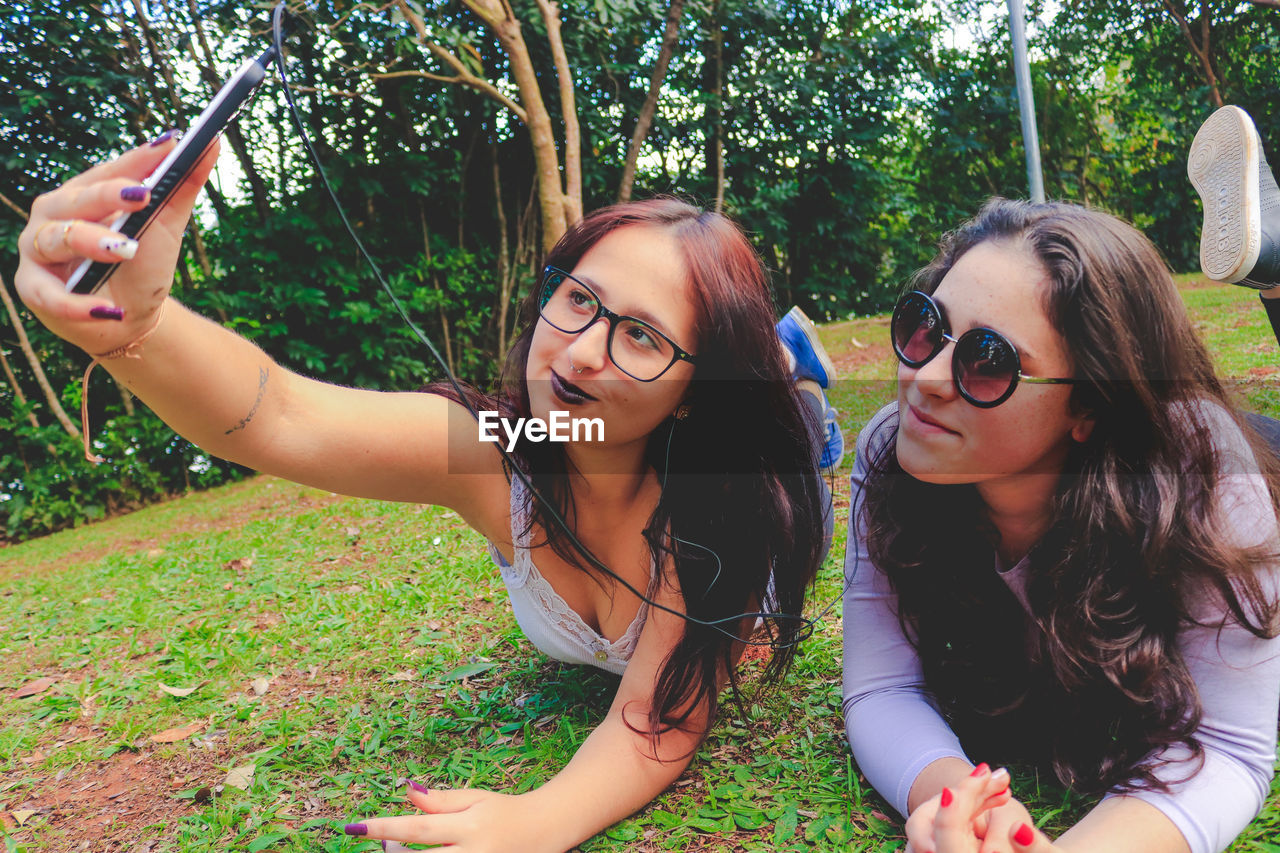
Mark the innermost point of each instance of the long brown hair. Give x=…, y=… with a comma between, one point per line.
x=741, y=514
x=1134, y=542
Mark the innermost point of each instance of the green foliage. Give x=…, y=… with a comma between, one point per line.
x=853, y=135
x=46, y=484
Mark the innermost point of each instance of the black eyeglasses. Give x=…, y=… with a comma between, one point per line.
x=985, y=366
x=570, y=306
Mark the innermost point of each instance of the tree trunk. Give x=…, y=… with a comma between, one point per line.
x=197, y=245
x=713, y=84
x=645, y=120
x=34, y=361
x=157, y=58
x=1201, y=50
x=546, y=159
x=560, y=201
x=572, y=198
x=435, y=283
x=504, y=259
x=126, y=397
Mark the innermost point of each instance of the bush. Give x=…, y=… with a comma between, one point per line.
x=46, y=484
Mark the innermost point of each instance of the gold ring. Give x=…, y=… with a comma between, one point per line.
x=66, y=229
x=35, y=241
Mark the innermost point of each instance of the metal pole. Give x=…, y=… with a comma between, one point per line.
x=1026, y=100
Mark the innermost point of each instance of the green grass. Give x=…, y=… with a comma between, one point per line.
x=389, y=653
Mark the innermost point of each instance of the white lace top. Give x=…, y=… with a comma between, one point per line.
x=547, y=620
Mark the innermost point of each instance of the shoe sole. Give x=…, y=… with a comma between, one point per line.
x=810, y=333
x=1223, y=167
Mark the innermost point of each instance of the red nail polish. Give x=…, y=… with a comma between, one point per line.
x=980, y=769
x=946, y=798
x=1024, y=835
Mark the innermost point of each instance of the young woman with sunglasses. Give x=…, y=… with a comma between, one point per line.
x=703, y=494
x=1062, y=552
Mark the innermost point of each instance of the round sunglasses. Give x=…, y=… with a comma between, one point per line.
x=985, y=366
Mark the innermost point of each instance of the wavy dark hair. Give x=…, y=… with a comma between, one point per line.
x=741, y=515
x=1133, y=542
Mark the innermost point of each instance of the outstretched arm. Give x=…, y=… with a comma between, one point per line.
x=615, y=772
x=215, y=388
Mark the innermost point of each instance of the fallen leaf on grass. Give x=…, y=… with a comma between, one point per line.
x=404, y=675
x=181, y=733
x=857, y=343
x=40, y=685
x=180, y=691
x=259, y=686
x=239, y=564
x=239, y=777
x=468, y=670
x=35, y=756
x=22, y=815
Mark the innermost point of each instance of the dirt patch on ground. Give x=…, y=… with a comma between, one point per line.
x=104, y=804
x=103, y=807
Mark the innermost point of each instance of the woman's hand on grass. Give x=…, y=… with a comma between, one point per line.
x=467, y=820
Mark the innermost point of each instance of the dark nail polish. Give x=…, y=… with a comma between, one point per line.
x=162, y=138
x=356, y=829
x=421, y=789
x=384, y=845
x=133, y=193
x=106, y=312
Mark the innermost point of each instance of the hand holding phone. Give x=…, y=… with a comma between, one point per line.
x=175, y=168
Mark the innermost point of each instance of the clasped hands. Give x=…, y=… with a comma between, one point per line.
x=978, y=815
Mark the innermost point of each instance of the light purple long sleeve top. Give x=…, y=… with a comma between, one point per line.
x=896, y=730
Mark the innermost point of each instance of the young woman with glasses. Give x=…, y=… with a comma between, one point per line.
x=1062, y=552
x=703, y=495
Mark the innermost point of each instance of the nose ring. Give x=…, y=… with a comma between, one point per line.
x=575, y=367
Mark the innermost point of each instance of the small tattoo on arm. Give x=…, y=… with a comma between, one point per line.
x=262, y=391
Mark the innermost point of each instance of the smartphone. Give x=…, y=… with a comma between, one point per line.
x=175, y=168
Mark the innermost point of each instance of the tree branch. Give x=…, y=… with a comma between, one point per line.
x=650, y=107
x=1199, y=52
x=568, y=113
x=43, y=381
x=464, y=75
x=9, y=204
